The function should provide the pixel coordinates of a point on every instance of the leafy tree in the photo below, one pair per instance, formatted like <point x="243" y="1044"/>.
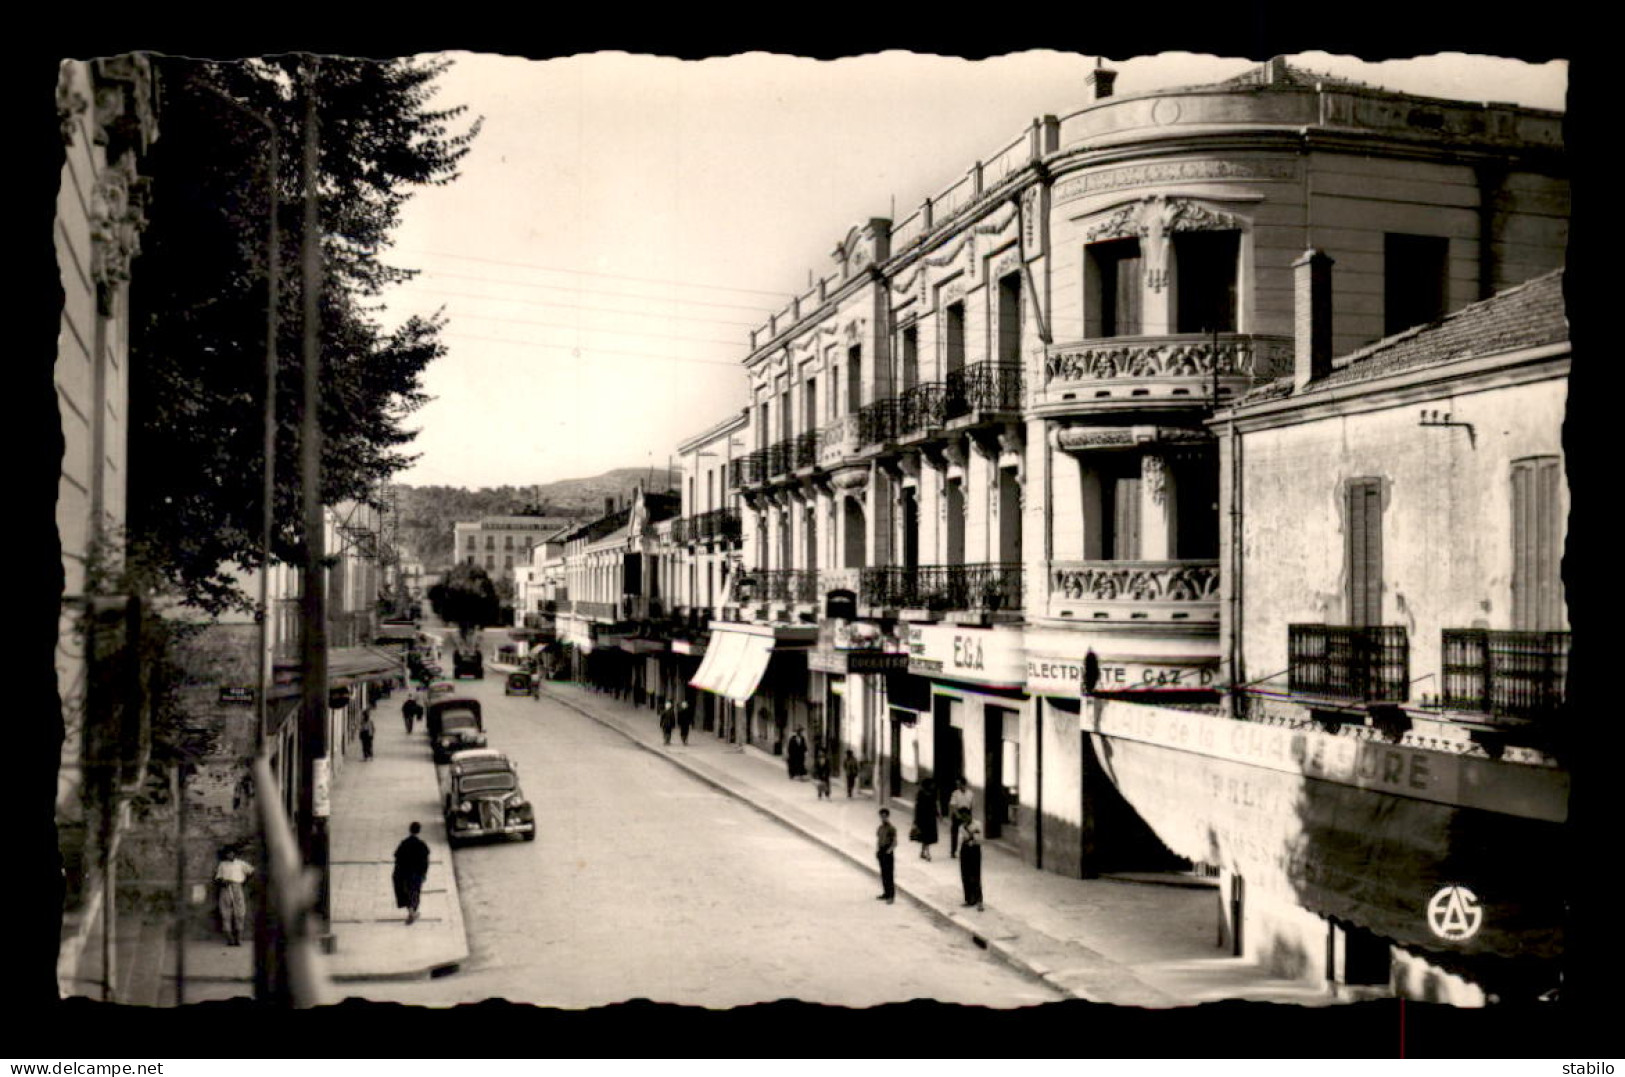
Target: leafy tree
<point x="199" y="302"/>
<point x="466" y="597"/>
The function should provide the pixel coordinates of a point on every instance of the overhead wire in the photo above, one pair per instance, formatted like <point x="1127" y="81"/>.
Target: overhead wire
<point x="595" y="273"/>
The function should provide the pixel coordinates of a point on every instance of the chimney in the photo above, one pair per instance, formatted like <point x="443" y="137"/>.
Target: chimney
<point x="1312" y="317"/>
<point x="1276" y="71"/>
<point x="1100" y="83"/>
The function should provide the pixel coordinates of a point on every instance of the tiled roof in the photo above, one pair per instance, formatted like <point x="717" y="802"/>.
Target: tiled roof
<point x="1528" y="315"/>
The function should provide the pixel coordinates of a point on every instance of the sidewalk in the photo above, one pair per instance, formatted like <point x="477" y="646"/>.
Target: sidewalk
<point x="373" y="802"/>
<point x="1117" y="941"/>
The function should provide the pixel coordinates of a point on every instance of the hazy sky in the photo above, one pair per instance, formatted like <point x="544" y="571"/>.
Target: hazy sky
<point x="624" y="221"/>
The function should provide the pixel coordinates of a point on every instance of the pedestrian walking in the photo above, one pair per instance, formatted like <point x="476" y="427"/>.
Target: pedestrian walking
<point x="795" y="756"/>
<point x="685" y="719"/>
<point x="411" y="868"/>
<point x="411" y="710"/>
<point x="821" y="773"/>
<point x="970" y="858"/>
<point x="851" y="767"/>
<point x="366" y="731"/>
<point x="230" y="875"/>
<point x="924" y="830"/>
<point x="668" y="722"/>
<point x="960" y="801"/>
<point x="885" y="852"/>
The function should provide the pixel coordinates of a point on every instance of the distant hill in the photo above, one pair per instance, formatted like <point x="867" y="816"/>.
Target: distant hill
<point x="427" y="513"/>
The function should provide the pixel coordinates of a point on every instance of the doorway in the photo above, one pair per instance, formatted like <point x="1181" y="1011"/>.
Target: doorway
<point x="947" y="748"/>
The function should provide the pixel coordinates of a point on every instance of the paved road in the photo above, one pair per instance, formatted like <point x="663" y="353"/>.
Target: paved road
<point x="646" y="883"/>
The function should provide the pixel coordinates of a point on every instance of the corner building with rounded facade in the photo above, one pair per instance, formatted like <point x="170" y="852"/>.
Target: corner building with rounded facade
<point x="981" y="495"/>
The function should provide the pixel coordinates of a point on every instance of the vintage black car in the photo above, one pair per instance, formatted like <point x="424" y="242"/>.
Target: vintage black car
<point x="519" y="684"/>
<point x="483" y="798"/>
<point x="455" y="723"/>
<point x="467" y="663"/>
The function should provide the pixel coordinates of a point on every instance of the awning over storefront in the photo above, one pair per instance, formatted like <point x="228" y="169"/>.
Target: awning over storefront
<point x="717" y="666"/>
<point x="1464" y="884"/>
<point x="361" y="664"/>
<point x="755" y="654"/>
<point x="734" y="664"/>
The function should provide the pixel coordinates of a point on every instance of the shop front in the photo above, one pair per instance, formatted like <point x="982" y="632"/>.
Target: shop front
<point x="972" y="723"/>
<point x="1354" y="850"/>
<point x="758" y="673"/>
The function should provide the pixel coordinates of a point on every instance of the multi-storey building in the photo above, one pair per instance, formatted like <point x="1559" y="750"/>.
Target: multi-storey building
<point x="109" y="118"/>
<point x="499" y="543"/>
<point x="982" y="499"/>
<point x="618" y="601"/>
<point x="1405" y="658"/>
<point x="539" y="585"/>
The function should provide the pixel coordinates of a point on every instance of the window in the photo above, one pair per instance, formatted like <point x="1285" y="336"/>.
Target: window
<point x="490" y="542"/>
<point x="1537" y="544"/>
<point x="507" y="542"/>
<point x="854" y="379"/>
<point x="1112" y="274"/>
<point x="809" y="404"/>
<point x="1010" y="318"/>
<point x="910" y="359"/>
<point x="1120" y="509"/>
<point x="1415" y="272"/>
<point x="953" y="355"/>
<point x="1205" y="281"/>
<point x="1364" y="551"/>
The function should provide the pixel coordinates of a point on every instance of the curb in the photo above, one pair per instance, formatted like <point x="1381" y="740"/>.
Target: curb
<point x="1004" y="953"/>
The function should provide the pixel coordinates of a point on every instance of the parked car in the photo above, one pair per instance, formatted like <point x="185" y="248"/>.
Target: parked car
<point x="454" y="723"/>
<point x="518" y="684"/>
<point x="468" y="662"/>
<point x="483" y="798"/>
<point x="441" y="688"/>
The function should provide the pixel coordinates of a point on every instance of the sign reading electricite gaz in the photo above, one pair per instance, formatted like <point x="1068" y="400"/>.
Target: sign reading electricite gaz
<point x="1157" y="676"/>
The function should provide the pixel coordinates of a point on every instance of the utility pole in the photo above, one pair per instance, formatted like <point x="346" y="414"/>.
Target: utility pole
<point x="314" y="790"/>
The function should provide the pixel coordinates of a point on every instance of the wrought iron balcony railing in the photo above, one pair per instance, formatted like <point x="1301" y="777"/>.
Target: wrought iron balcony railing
<point x="1505" y="674"/>
<point x="778" y="459"/>
<point x="984" y="386"/>
<point x="921" y="408"/>
<point x="1348" y="662"/>
<point x="878" y="422"/>
<point x="804" y="450"/>
<point x="797" y="585"/>
<point x="718" y="524"/>
<point x="987" y="587"/>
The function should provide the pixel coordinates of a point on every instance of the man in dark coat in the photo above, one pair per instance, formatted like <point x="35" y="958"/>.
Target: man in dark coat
<point x="796" y="755"/>
<point x="411" y="868"/>
<point x="685" y="719"/>
<point x="886" y="852"/>
<point x="411" y="710"/>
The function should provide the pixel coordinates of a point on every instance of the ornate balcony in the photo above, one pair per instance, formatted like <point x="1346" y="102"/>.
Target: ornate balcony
<point x="1505" y="674"/>
<point x="803" y="449"/>
<point x="985" y="389"/>
<point x="718" y="525"/>
<point x="787" y="585"/>
<point x="838" y="441"/>
<point x="922" y="408"/>
<point x="987" y="587"/>
<point x="878" y="422"/>
<point x="1158" y="591"/>
<point x="1181" y="366"/>
<point x="1350" y="663"/>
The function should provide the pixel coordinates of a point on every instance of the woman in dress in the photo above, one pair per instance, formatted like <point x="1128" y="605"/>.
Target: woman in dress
<point x="925" y="818"/>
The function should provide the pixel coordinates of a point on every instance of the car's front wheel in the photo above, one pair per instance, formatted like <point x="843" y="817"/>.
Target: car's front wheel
<point x="530" y="835"/>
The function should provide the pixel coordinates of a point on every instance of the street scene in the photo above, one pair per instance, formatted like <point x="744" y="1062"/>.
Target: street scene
<point x="1004" y="533"/>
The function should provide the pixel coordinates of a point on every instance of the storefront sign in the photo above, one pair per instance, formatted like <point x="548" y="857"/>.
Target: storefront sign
<point x="1054" y="676"/>
<point x="236" y="694"/>
<point x="1157" y="676"/>
<point x="978" y="655"/>
<point x="1455" y="914"/>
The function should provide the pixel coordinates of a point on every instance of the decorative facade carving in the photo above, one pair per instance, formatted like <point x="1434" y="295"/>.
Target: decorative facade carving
<point x="1170" y="357"/>
<point x="1030" y="210"/>
<point x="1155" y="218"/>
<point x="1083" y="438"/>
<point x="1112" y="179"/>
<point x="1154" y="474"/>
<point x="70" y="103"/>
<point x="1106" y="581"/>
<point x="117" y="217"/>
<point x="851" y="480"/>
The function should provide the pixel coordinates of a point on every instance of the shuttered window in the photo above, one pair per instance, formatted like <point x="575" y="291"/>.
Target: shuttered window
<point x="1537" y="545"/>
<point x="1122" y="515"/>
<point x="1364" y="516"/>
